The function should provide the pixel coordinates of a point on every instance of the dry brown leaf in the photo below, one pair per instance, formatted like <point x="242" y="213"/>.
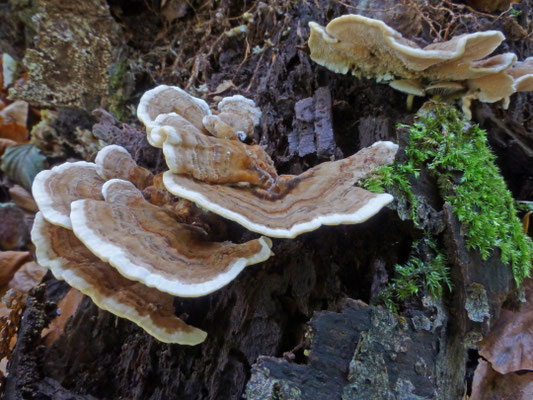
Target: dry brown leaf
<point x="509" y="346"/>
<point x="15" y="132"/>
<point x="66" y="308"/>
<point x="14" y="231"/>
<point x="490" y="385"/>
<point x="10" y="262"/>
<point x="28" y="276"/>
<point x="22" y="198"/>
<point x="223" y="87"/>
<point x="8" y="327"/>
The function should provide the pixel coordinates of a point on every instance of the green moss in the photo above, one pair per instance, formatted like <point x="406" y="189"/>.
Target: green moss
<point x="425" y="270"/>
<point x="456" y="153"/>
<point x="117" y="100"/>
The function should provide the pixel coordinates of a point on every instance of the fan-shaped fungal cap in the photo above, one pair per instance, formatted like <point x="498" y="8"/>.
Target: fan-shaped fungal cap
<point x="211" y="159"/>
<point x="220" y="129"/>
<point x="323" y="195"/>
<point x="236" y="119"/>
<point x="522" y="73"/>
<point x="409" y="86"/>
<point x="55" y="189"/>
<point x="240" y="113"/>
<point x="370" y="48"/>
<point x="115" y="162"/>
<point x="492" y="88"/>
<point x="144" y="243"/>
<point x="59" y="250"/>
<point x="167" y="99"/>
<point x="463" y="69"/>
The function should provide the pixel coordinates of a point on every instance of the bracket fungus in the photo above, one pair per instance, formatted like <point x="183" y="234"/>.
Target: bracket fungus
<point x="237" y="118"/>
<point x="145" y="243"/>
<point x="99" y="234"/>
<point x="323" y="195"/>
<point x="216" y="160"/>
<point x="115" y="162"/>
<point x="58" y="249"/>
<point x="202" y="145"/>
<point x="369" y="48"/>
<point x="239" y="182"/>
<point x="169" y="99"/>
<point x="55" y="189"/>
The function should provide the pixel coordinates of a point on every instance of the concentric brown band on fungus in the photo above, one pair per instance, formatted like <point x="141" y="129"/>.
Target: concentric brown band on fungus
<point x="145" y="243"/>
<point x="59" y="250"/>
<point x="210" y="159"/>
<point x="113" y="215"/>
<point x="323" y="195"/>
<point x="54" y="190"/>
<point x="114" y="162"/>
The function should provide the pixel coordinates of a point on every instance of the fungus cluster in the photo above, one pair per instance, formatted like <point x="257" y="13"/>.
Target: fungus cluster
<point x="238" y="181"/>
<point x="96" y="230"/>
<point x="117" y="233"/>
<point x="461" y="66"/>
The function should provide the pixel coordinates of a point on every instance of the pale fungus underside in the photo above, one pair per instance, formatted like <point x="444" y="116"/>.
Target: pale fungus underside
<point x="369" y="48"/>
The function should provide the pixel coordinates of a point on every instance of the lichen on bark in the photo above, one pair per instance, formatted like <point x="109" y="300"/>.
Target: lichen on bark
<point x="74" y="46"/>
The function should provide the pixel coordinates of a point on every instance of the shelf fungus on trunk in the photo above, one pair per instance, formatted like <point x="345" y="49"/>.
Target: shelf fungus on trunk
<point x="128" y="255"/>
<point x="369" y="48"/>
<point x="145" y="243"/>
<point x="236" y="119"/>
<point x="211" y="159"/>
<point x="202" y="145"/>
<point x="55" y="189"/>
<point x="323" y="195"/>
<point x="59" y="249"/>
<point x="115" y="162"/>
<point x="169" y="99"/>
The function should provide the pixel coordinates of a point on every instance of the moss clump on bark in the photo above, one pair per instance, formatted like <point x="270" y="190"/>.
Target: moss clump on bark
<point x="457" y="155"/>
<point x="426" y="269"/>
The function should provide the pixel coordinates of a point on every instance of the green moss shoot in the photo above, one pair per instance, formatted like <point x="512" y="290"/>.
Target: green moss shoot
<point x="428" y="271"/>
<point x="117" y="105"/>
<point x="457" y="154"/>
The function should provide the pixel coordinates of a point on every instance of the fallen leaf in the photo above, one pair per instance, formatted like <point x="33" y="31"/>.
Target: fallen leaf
<point x="223" y="87"/>
<point x="22" y="162"/>
<point x="22" y="198"/>
<point x="14" y="231"/>
<point x="27" y="277"/>
<point x="13" y="119"/>
<point x="66" y="308"/>
<point x="14" y="132"/>
<point x="509" y="345"/>
<point x="10" y="262"/>
<point x="490" y="385"/>
<point x="8" y="326"/>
